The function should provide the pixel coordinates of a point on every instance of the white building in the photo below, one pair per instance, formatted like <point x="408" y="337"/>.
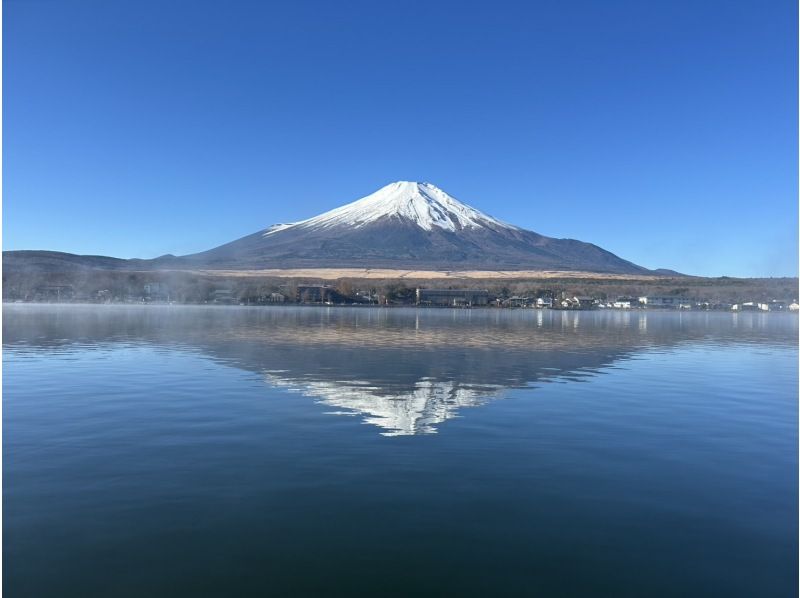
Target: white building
<point x="750" y="306"/>
<point x="669" y="301"/>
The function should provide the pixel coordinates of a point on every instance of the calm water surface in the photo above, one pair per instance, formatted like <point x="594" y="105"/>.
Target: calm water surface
<point x="181" y="451"/>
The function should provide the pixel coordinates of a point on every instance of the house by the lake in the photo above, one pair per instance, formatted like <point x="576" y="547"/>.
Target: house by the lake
<point x="665" y="302"/>
<point x="453" y="297"/>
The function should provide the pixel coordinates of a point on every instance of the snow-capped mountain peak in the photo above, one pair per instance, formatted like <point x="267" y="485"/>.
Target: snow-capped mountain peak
<point x="409" y="225"/>
<point x="422" y="204"/>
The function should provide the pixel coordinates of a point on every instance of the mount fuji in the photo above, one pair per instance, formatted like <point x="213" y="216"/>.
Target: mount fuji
<point x="404" y="225"/>
<point x="409" y="225"/>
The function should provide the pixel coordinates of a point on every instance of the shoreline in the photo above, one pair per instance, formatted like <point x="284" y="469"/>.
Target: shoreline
<point x="399" y="306"/>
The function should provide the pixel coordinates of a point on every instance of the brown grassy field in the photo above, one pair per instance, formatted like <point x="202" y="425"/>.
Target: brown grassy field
<point x="387" y="274"/>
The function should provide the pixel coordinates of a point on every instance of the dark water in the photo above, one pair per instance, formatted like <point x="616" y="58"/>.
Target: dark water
<point x="177" y="451"/>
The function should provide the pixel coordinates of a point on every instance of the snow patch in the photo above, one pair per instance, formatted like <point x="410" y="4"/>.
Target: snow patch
<point x="279" y="227"/>
<point x="422" y="204"/>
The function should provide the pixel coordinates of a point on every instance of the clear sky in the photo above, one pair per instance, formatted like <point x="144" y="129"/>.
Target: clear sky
<point x="664" y="131"/>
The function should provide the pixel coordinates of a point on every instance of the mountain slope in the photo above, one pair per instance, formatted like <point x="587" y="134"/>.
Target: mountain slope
<point x="409" y="225"/>
<point x="404" y="225"/>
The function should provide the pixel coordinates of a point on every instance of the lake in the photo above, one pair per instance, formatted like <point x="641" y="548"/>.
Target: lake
<point x="234" y="451"/>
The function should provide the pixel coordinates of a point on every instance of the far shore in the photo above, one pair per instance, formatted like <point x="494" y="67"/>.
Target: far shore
<point x="378" y="285"/>
<point x="594" y="308"/>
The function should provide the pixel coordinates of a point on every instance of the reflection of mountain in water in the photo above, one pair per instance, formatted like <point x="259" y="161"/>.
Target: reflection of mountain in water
<point x="403" y="370"/>
<point x="400" y="412"/>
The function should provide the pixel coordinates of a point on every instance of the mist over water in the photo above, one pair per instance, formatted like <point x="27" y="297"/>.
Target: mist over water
<point x="335" y="451"/>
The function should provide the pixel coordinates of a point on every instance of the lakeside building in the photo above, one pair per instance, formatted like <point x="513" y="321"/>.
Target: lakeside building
<point x="776" y="305"/>
<point x="516" y="301"/>
<point x="715" y="306"/>
<point x="578" y="302"/>
<point x="453" y="297"/>
<point x="668" y="302"/>
<point x="750" y="306"/>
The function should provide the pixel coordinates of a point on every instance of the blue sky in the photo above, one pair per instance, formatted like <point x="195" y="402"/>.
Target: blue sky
<point x="664" y="131"/>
